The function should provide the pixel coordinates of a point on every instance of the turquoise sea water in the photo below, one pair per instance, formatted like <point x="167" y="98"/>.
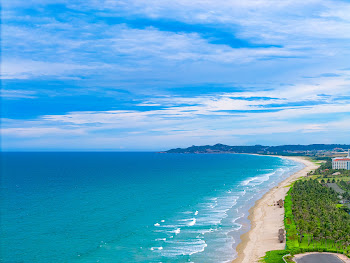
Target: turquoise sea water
<point x="130" y="207"/>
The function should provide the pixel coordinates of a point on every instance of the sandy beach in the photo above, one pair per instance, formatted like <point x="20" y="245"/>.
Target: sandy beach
<point x="266" y="219"/>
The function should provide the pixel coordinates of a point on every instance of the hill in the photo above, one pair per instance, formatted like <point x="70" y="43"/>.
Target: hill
<point x="312" y="149"/>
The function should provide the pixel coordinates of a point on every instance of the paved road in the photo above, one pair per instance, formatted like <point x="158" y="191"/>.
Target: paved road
<point x="319" y="258"/>
<point x="336" y="188"/>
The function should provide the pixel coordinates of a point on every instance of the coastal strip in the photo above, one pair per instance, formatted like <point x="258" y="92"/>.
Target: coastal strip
<point x="266" y="219"/>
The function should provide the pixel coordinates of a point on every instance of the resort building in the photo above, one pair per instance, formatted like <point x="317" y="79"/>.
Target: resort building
<point x="341" y="162"/>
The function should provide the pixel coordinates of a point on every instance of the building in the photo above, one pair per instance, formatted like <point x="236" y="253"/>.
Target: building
<point x="341" y="162"/>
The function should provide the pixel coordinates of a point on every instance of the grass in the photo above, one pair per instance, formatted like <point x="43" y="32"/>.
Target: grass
<point x="319" y="177"/>
<point x="290" y="226"/>
<point x="274" y="256"/>
<point x="315" y="161"/>
<point x="344" y="178"/>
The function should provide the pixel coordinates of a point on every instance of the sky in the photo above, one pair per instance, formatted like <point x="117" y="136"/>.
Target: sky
<point x="136" y="75"/>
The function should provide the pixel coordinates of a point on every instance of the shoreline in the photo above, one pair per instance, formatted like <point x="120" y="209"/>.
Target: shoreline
<point x="265" y="219"/>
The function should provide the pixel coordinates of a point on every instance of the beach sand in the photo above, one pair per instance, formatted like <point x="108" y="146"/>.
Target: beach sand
<point x="266" y="219"/>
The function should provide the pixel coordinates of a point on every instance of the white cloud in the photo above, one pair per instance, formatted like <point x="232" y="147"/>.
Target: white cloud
<point x="310" y="38"/>
<point x="226" y="113"/>
<point x="24" y="69"/>
<point x="18" y="94"/>
<point x="293" y="18"/>
<point x="305" y="30"/>
<point x="37" y="132"/>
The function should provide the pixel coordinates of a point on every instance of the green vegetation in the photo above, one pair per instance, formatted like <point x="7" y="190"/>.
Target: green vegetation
<point x="325" y="171"/>
<point x="346" y="187"/>
<point x="312" y="220"/>
<point x="343" y="185"/>
<point x="315" y="161"/>
<point x="275" y="256"/>
<point x="319" y="150"/>
<point x="325" y="174"/>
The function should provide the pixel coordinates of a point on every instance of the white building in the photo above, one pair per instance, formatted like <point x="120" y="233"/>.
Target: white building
<point x="341" y="162"/>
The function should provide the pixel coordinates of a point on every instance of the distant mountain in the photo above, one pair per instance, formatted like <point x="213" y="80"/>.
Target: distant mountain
<point x="312" y="149"/>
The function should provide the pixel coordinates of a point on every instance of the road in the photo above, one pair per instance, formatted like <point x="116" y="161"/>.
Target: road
<point x="319" y="258"/>
<point x="336" y="188"/>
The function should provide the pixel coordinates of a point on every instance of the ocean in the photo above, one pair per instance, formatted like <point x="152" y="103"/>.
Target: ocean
<point x="130" y="207"/>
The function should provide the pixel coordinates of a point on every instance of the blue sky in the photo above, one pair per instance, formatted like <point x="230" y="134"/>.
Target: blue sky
<point x="157" y="74"/>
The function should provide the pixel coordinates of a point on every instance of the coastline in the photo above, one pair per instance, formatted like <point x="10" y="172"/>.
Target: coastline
<point x="266" y="219"/>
